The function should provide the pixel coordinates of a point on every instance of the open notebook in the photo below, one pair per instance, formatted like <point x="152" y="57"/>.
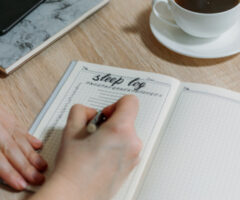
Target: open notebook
<point x="190" y="132"/>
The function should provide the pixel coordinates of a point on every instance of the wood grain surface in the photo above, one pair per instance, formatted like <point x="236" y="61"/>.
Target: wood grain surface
<point x="118" y="35"/>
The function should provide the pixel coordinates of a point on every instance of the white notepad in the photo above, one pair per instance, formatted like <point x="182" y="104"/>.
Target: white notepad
<point x="190" y="132"/>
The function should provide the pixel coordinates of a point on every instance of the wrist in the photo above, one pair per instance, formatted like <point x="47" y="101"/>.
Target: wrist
<point x="58" y="188"/>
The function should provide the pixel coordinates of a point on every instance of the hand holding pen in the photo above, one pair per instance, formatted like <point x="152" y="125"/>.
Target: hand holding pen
<point x="95" y="165"/>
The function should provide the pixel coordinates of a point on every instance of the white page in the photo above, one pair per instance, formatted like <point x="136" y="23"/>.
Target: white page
<point x="155" y="100"/>
<point x="198" y="157"/>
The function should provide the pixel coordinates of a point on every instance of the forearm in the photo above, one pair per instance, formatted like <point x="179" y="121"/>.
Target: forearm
<point x="60" y="188"/>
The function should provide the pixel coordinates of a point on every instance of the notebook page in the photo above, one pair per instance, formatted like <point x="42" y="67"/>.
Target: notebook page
<point x="198" y="157"/>
<point x="87" y="85"/>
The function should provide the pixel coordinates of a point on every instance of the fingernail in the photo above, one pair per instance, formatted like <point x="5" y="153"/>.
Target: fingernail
<point x="37" y="140"/>
<point x="41" y="164"/>
<point x="22" y="183"/>
<point x="38" y="178"/>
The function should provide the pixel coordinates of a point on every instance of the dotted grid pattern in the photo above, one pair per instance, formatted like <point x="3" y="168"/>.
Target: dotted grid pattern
<point x="79" y="92"/>
<point x="199" y="155"/>
<point x="148" y="114"/>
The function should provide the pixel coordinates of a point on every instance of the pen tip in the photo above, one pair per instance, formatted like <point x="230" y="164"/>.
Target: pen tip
<point x="91" y="128"/>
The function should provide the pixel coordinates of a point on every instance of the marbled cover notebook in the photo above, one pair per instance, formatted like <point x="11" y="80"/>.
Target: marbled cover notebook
<point x="43" y="26"/>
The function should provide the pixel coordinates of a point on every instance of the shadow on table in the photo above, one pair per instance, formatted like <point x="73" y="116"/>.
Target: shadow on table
<point x="7" y="188"/>
<point x="24" y="195"/>
<point x="142" y="28"/>
<point x="3" y="76"/>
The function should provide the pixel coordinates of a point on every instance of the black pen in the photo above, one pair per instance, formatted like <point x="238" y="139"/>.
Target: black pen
<point x="96" y="122"/>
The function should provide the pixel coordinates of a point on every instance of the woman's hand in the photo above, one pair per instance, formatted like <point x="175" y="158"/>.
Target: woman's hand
<point x="95" y="166"/>
<point x="20" y="164"/>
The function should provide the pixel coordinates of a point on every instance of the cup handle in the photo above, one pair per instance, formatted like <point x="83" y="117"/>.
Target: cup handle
<point x="160" y="16"/>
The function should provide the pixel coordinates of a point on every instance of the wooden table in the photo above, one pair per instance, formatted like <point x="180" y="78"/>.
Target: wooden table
<point x="118" y="35"/>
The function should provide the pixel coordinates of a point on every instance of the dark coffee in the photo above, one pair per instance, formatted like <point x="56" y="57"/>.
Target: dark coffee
<point x="207" y="6"/>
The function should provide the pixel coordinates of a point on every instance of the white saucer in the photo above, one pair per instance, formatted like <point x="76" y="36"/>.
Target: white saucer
<point x="175" y="39"/>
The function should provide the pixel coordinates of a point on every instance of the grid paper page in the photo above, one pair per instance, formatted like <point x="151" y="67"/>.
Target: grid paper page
<point x="199" y="155"/>
<point x="85" y="87"/>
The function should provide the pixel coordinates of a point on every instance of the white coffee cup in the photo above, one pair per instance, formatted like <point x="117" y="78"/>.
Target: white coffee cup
<point x="202" y="25"/>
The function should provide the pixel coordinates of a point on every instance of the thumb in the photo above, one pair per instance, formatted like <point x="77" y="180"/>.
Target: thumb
<point x="125" y="110"/>
<point x="77" y="119"/>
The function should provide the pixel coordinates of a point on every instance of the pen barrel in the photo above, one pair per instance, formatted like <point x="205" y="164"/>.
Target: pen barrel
<point x="96" y="122"/>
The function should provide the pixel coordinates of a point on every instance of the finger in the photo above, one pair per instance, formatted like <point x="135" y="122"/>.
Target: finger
<point x="36" y="143"/>
<point x="10" y="176"/>
<point x="33" y="157"/>
<point x="78" y="117"/>
<point x="124" y="111"/>
<point x="18" y="160"/>
<point x="8" y="121"/>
